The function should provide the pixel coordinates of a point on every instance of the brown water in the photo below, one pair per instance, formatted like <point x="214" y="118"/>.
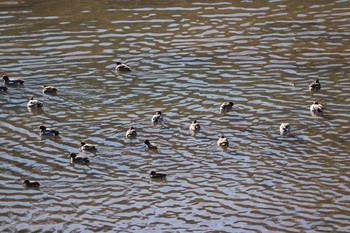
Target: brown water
<point x="187" y="58"/>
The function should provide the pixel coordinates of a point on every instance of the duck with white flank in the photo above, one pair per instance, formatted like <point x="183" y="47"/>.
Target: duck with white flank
<point x="32" y="103"/>
<point x="315" y="86"/>
<point x="122" y="67"/>
<point x="131" y="133"/>
<point x="150" y="145"/>
<point x="74" y="158"/>
<point x="316" y="108"/>
<point x="87" y="147"/>
<point x="49" y="89"/>
<point x="157" y="175"/>
<point x="284" y="128"/>
<point x="11" y="82"/>
<point x="48" y="132"/>
<point x="195" y="127"/>
<point x="157" y="118"/>
<point x="222" y="142"/>
<point x="226" y="107"/>
<point x="31" y="184"/>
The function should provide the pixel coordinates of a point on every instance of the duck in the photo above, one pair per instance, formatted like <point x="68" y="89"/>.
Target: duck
<point x="122" y="67"/>
<point x="31" y="184"/>
<point x="11" y="82"/>
<point x="222" y="141"/>
<point x="49" y="89"/>
<point x="284" y="128"/>
<point x="87" y="147"/>
<point x="157" y="175"/>
<point x="315" y="86"/>
<point x="150" y="145"/>
<point x="157" y="117"/>
<point x="48" y="132"/>
<point x="3" y="88"/>
<point x="226" y="107"/>
<point x="316" y="108"/>
<point x="74" y="158"/>
<point x="195" y="127"/>
<point x="32" y="103"/>
<point x="131" y="133"/>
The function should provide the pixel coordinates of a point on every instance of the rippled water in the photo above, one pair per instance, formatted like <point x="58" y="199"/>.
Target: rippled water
<point x="187" y="57"/>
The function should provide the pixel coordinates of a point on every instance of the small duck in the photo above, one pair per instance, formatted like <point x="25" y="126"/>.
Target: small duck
<point x="74" y="158"/>
<point x="131" y="133"/>
<point x="150" y="145"/>
<point x="87" y="147"/>
<point x="315" y="86"/>
<point x="11" y="82"/>
<point x="3" y="88"/>
<point x="156" y="175"/>
<point x="222" y="141"/>
<point x="32" y="103"/>
<point x="284" y="128"/>
<point x="122" y="67"/>
<point x="157" y="118"/>
<point x="195" y="127"/>
<point x="31" y="184"/>
<point x="226" y="107"/>
<point x="316" y="108"/>
<point x="48" y="132"/>
<point x="49" y="89"/>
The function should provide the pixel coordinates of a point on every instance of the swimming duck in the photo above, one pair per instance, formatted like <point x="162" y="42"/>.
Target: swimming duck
<point x="48" y="132"/>
<point x="195" y="127"/>
<point x="122" y="67"/>
<point x="49" y="89"/>
<point x="11" y="82"/>
<point x="31" y="184"/>
<point x="226" y="107"/>
<point x="316" y="108"/>
<point x="87" y="147"/>
<point x="150" y="145"/>
<point x="284" y="128"/>
<point x="222" y="141"/>
<point x="3" y="88"/>
<point x="74" y="158"/>
<point x="314" y="86"/>
<point x="131" y="133"/>
<point x="157" y="118"/>
<point x="156" y="175"/>
<point x="32" y="103"/>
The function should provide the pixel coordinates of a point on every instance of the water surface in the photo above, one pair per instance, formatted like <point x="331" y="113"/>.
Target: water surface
<point x="187" y="57"/>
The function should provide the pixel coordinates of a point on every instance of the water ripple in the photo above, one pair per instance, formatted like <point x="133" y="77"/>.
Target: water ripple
<point x="187" y="60"/>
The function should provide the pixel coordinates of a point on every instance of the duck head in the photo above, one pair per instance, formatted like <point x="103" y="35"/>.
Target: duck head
<point x="5" y="78"/>
<point x="26" y="182"/>
<point x="72" y="155"/>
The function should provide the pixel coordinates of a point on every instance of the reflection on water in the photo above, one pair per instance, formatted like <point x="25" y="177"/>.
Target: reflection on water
<point x="187" y="59"/>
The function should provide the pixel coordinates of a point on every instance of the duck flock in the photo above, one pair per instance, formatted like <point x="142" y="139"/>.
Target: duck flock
<point x="131" y="133"/>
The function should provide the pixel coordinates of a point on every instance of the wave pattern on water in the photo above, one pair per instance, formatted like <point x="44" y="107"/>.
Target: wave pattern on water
<point x="187" y="59"/>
